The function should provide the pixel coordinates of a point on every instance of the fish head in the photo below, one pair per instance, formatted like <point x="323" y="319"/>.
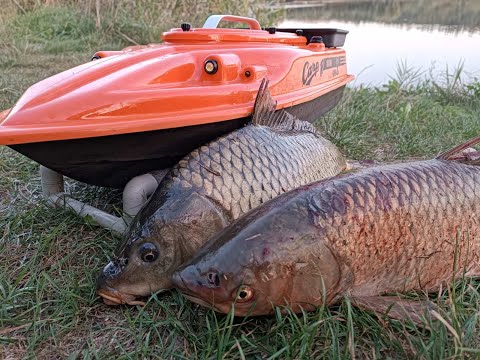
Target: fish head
<point x="159" y="240"/>
<point x="139" y="266"/>
<point x="274" y="256"/>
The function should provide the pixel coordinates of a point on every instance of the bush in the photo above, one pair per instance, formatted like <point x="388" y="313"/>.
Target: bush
<point x="53" y="24"/>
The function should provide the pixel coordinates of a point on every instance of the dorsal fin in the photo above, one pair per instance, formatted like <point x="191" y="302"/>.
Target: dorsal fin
<point x="462" y="154"/>
<point x="264" y="114"/>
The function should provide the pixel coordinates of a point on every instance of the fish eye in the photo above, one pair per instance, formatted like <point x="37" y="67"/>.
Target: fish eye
<point x="148" y="252"/>
<point x="244" y="293"/>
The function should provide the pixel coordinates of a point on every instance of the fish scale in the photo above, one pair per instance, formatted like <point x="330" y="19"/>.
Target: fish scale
<point x="386" y="229"/>
<point x="431" y="244"/>
<point x="306" y="165"/>
<point x="214" y="185"/>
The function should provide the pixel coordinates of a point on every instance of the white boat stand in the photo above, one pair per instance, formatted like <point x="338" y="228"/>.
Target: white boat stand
<point x="135" y="194"/>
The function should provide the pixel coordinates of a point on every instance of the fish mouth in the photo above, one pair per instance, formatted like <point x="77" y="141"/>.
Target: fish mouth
<point x="198" y="301"/>
<point x="114" y="297"/>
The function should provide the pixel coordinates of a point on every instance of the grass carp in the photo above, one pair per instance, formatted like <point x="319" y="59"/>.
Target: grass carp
<point x="210" y="188"/>
<point x="386" y="229"/>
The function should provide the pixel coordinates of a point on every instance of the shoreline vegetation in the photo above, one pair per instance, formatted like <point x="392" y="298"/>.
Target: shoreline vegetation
<point x="49" y="258"/>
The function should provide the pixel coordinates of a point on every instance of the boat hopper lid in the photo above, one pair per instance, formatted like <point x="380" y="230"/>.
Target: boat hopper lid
<point x="211" y="33"/>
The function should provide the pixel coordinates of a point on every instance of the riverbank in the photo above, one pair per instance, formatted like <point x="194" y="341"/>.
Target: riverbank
<point x="49" y="258"/>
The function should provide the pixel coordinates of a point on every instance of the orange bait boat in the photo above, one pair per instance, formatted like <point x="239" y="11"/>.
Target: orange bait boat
<point x="145" y="107"/>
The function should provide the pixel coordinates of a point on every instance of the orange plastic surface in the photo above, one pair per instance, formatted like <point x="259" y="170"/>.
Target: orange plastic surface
<point x="162" y="86"/>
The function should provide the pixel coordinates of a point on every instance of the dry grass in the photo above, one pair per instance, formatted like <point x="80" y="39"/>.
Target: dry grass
<point x="49" y="258"/>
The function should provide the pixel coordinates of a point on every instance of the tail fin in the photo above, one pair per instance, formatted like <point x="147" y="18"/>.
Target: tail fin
<point x="264" y="114"/>
<point x="462" y="153"/>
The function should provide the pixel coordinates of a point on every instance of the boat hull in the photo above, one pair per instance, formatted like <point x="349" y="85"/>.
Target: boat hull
<point x="111" y="161"/>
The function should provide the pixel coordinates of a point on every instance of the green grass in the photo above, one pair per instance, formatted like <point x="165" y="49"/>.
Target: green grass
<point x="407" y="117"/>
<point x="49" y="258"/>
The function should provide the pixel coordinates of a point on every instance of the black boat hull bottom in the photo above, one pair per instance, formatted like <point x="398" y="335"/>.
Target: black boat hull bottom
<point x="112" y="161"/>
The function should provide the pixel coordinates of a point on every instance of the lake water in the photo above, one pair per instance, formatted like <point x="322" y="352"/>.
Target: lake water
<point x="427" y="35"/>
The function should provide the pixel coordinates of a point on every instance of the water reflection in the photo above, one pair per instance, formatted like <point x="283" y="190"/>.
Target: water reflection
<point x="451" y="15"/>
<point x="431" y="35"/>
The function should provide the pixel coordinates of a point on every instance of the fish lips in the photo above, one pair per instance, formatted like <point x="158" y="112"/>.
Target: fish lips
<point x="110" y="295"/>
<point x="180" y="284"/>
<point x="114" y="297"/>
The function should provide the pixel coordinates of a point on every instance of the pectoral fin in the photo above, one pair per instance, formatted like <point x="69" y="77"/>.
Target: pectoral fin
<point x="396" y="307"/>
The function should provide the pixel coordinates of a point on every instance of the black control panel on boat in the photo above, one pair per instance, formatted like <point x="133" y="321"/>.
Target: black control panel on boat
<point x="331" y="37"/>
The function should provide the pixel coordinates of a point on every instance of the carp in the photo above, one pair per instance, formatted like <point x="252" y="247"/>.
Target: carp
<point x="210" y="188"/>
<point x="383" y="230"/>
